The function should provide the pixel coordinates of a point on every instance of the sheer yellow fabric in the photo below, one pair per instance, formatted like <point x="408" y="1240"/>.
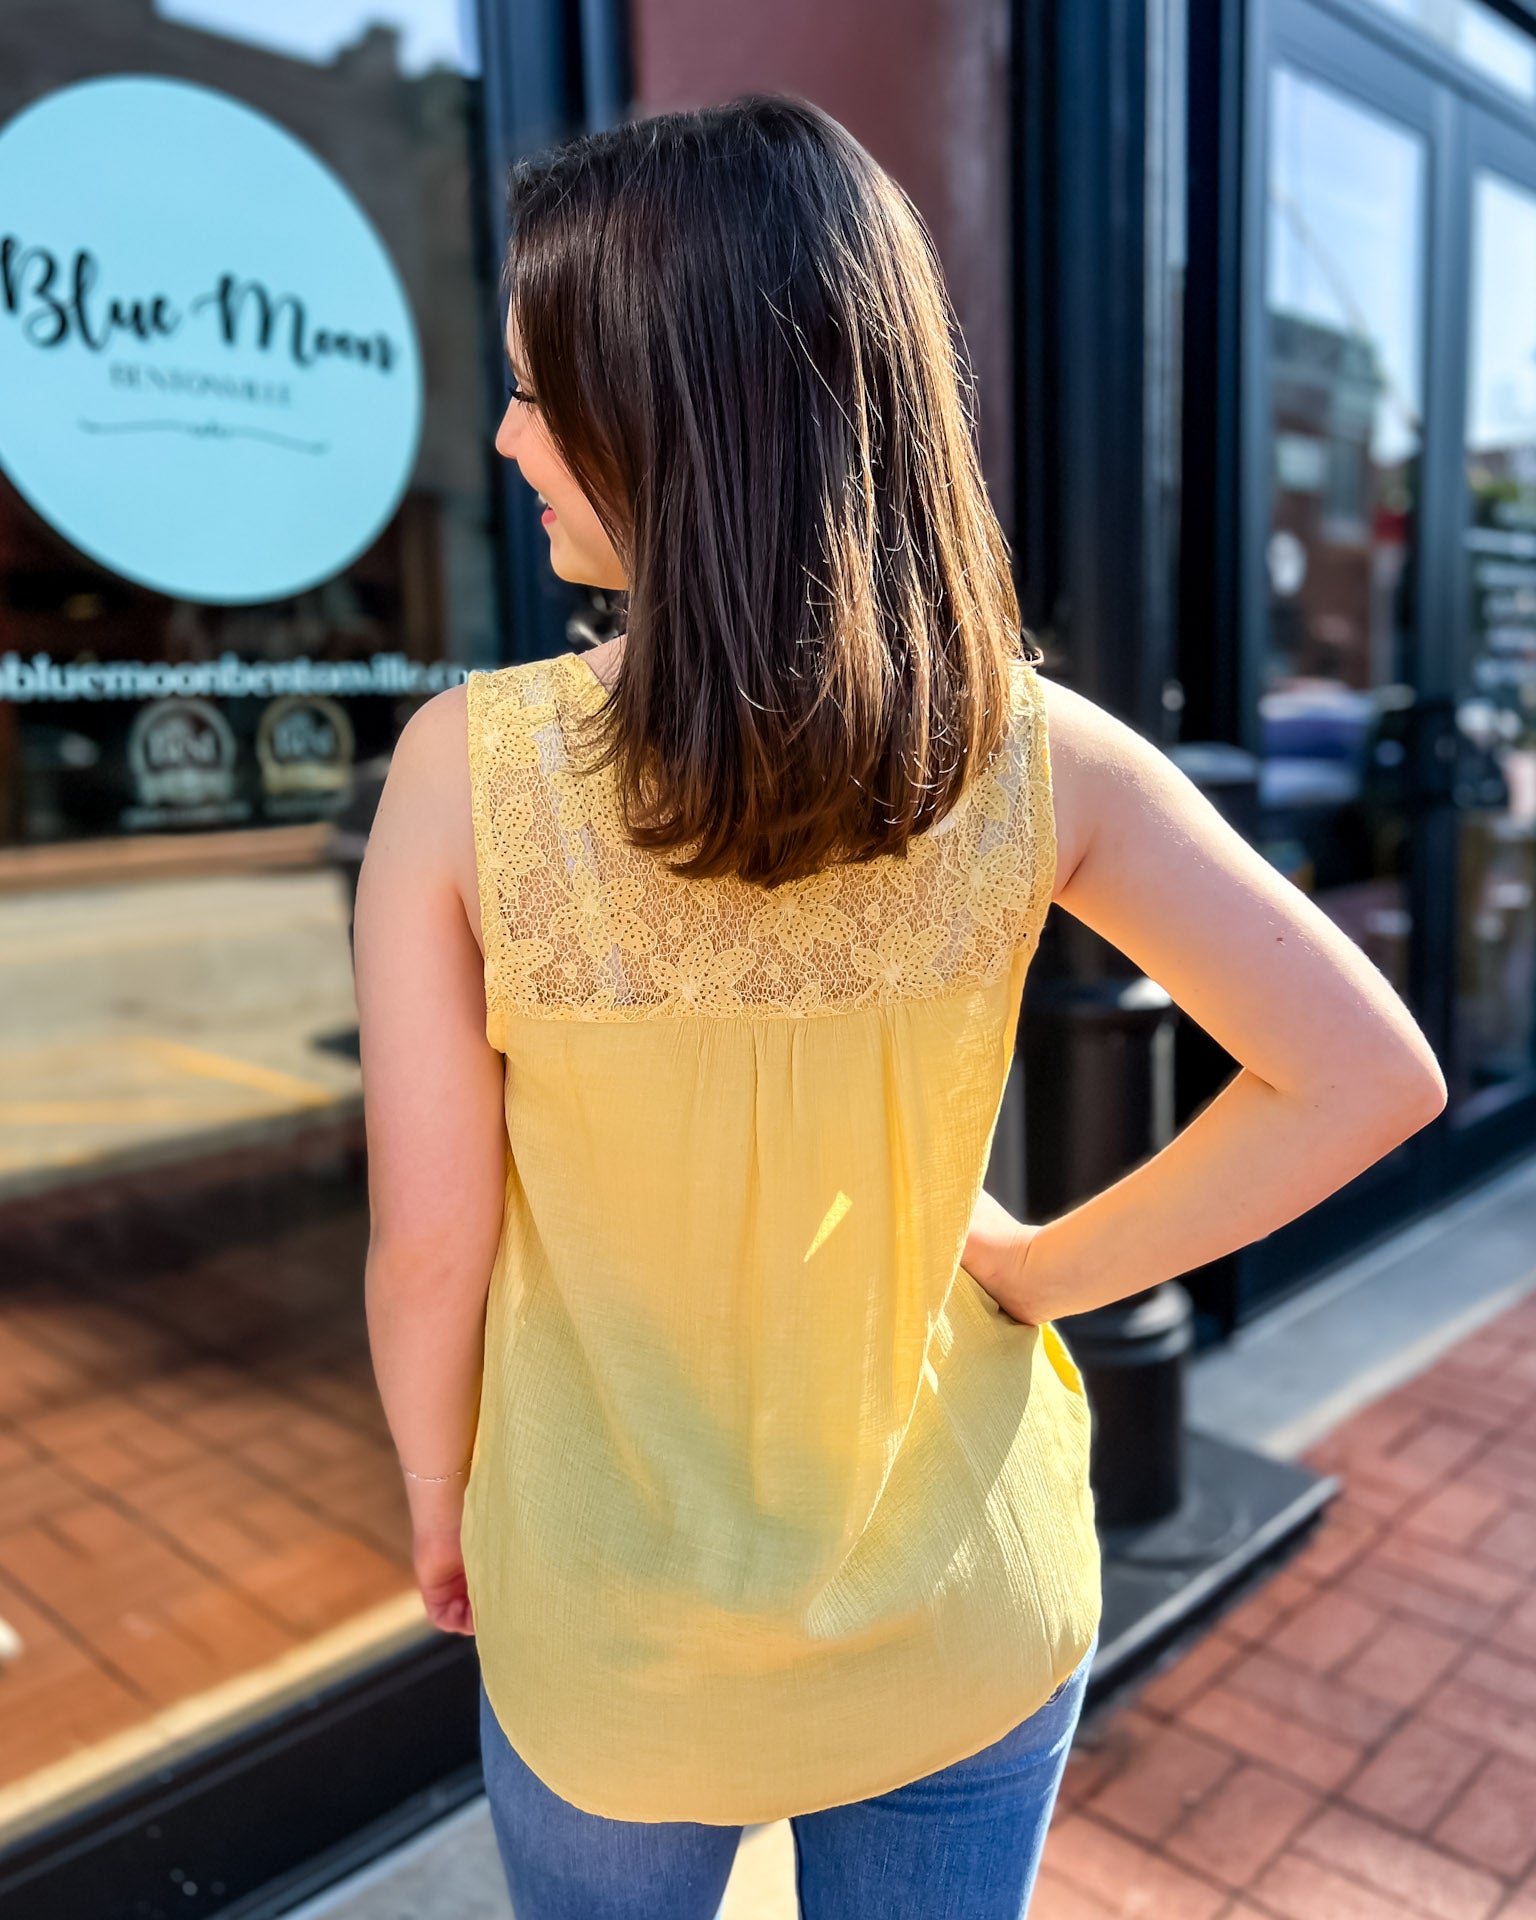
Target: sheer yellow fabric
<point x="771" y="1507"/>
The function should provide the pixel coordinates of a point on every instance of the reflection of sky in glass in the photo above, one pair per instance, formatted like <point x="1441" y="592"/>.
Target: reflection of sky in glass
<point x="432" y="32"/>
<point x="1345" y="226"/>
<point x="1483" y="38"/>
<point x="1501" y="406"/>
<point x="1499" y="49"/>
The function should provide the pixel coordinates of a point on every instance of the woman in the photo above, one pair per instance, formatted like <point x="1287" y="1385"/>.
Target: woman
<point x="734" y="1418"/>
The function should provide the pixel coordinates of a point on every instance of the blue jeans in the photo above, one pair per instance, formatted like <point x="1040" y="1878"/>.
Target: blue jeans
<point x="960" y="1844"/>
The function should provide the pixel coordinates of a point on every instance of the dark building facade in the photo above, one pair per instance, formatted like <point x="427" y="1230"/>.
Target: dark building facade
<point x="1249" y="291"/>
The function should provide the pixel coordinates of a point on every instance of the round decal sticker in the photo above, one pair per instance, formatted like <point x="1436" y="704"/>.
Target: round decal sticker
<point x="182" y="756"/>
<point x="210" y="380"/>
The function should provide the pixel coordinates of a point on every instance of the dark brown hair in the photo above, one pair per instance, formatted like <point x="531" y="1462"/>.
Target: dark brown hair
<point x="737" y="333"/>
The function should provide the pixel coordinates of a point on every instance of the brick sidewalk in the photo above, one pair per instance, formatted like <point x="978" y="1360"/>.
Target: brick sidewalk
<point x="1357" y="1740"/>
<point x="195" y="1473"/>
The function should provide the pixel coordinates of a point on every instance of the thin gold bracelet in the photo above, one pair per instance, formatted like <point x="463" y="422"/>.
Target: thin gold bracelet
<point x="435" y="1479"/>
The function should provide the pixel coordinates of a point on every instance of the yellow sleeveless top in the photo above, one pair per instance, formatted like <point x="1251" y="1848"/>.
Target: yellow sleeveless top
<point x="771" y="1507"/>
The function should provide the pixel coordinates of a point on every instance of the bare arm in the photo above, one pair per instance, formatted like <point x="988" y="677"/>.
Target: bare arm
<point x="432" y="1090"/>
<point x="1334" y="1071"/>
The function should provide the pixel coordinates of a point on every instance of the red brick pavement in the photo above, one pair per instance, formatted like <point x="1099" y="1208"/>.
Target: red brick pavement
<point x="195" y="1473"/>
<point x="1357" y="1739"/>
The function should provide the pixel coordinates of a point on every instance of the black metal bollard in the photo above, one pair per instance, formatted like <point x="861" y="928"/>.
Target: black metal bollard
<point x="1099" y="1060"/>
<point x="1131" y="1355"/>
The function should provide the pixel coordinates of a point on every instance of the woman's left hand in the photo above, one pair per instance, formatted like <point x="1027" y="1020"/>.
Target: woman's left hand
<point x="995" y="1255"/>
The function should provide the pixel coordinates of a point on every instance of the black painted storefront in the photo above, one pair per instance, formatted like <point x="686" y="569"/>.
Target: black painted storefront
<point x="1257" y="503"/>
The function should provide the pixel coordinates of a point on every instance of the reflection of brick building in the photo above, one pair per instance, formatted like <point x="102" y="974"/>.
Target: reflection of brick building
<point x="904" y="90"/>
<point x="1351" y="515"/>
<point x="402" y="145"/>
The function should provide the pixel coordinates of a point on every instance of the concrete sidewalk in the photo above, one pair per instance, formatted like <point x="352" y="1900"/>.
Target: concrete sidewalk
<point x="1357" y="1740"/>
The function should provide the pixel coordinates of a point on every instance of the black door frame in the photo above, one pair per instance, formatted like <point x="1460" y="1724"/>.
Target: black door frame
<point x="1365" y="54"/>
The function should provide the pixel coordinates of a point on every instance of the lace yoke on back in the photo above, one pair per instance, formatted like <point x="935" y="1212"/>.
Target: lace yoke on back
<point x="578" y="922"/>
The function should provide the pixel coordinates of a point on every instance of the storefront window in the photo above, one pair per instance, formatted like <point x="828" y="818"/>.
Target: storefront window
<point x="1495" y="794"/>
<point x="247" y="394"/>
<point x="1345" y="250"/>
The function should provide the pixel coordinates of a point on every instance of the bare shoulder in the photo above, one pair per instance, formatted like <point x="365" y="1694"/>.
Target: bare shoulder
<point x="1101" y="768"/>
<point x="424" y="816"/>
<point x="1131" y="825"/>
<point x="1149" y="862"/>
<point x="437" y="728"/>
<point x="429" y="770"/>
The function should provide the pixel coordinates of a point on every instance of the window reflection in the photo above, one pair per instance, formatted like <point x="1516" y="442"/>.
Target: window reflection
<point x="1485" y="40"/>
<point x="1495" y="780"/>
<point x="1344" y="293"/>
<point x="200" y="1492"/>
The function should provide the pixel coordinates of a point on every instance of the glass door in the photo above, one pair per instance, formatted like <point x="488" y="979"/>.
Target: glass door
<point x="1346" y="257"/>
<point x="1389" y="651"/>
<point x="1492" y="1055"/>
<point x="1345" y="159"/>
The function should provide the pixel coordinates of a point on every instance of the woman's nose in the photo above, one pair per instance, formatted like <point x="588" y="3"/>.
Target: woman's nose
<point x="506" y="433"/>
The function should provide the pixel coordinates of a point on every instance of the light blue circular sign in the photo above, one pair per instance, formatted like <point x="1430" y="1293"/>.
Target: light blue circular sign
<point x="210" y="380"/>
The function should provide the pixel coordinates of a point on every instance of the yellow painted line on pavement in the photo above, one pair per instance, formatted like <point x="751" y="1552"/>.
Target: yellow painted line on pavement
<point x="148" y="1109"/>
<point x="239" y="1073"/>
<point x="68" y="1113"/>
